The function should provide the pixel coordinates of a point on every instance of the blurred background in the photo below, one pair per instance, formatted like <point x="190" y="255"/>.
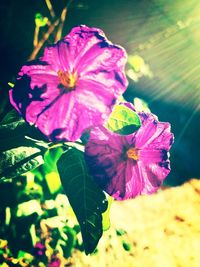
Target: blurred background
<point x="162" y="39"/>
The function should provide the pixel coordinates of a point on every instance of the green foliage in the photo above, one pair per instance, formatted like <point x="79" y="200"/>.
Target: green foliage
<point x="35" y="219"/>
<point x="40" y="21"/>
<point x="126" y="246"/>
<point x="25" y="257"/>
<point x="69" y="237"/>
<point x="106" y="217"/>
<point x="17" y="161"/>
<point x="48" y="170"/>
<point x="120" y="232"/>
<point x="24" y="151"/>
<point x="12" y="131"/>
<point x="19" y="153"/>
<point x="123" y="120"/>
<point x="85" y="197"/>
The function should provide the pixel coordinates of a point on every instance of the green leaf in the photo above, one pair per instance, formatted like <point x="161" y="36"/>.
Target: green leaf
<point x="27" y="257"/>
<point x="49" y="169"/>
<point x="12" y="131"/>
<point x="70" y="241"/>
<point x="126" y="245"/>
<point x="19" y="152"/>
<point x="123" y="120"/>
<point x="120" y="232"/>
<point x="53" y="182"/>
<point x="106" y="217"/>
<point x="51" y="157"/>
<point x="10" y="117"/>
<point x="40" y="21"/>
<point x="86" y="198"/>
<point x="15" y="132"/>
<point x="17" y="161"/>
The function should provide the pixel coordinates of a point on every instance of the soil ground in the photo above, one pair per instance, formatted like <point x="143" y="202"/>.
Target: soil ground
<point x="151" y="231"/>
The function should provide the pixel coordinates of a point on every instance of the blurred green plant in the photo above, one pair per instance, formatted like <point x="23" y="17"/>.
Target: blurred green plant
<point x="138" y="68"/>
<point x="52" y="183"/>
<point x="36" y="210"/>
<point x="37" y="213"/>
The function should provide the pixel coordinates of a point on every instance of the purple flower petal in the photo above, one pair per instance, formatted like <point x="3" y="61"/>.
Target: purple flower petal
<point x="73" y="86"/>
<point x="127" y="166"/>
<point x="153" y="133"/>
<point x="58" y="56"/>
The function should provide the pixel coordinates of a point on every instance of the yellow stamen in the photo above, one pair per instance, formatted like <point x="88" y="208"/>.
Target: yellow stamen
<point x="132" y="153"/>
<point x="67" y="79"/>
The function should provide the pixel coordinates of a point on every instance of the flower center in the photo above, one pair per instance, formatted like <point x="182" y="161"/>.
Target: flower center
<point x="67" y="79"/>
<point x="132" y="153"/>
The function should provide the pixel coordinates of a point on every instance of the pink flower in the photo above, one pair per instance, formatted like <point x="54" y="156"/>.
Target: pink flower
<point x="55" y="263"/>
<point x="39" y="249"/>
<point x="73" y="86"/>
<point x="127" y="166"/>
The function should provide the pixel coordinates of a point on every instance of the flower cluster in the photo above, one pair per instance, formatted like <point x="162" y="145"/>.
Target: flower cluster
<point x="72" y="89"/>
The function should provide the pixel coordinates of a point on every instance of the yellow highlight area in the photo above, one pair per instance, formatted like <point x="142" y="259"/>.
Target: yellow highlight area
<point x="136" y="62"/>
<point x="11" y="84"/>
<point x="67" y="79"/>
<point x="53" y="181"/>
<point x="132" y="153"/>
